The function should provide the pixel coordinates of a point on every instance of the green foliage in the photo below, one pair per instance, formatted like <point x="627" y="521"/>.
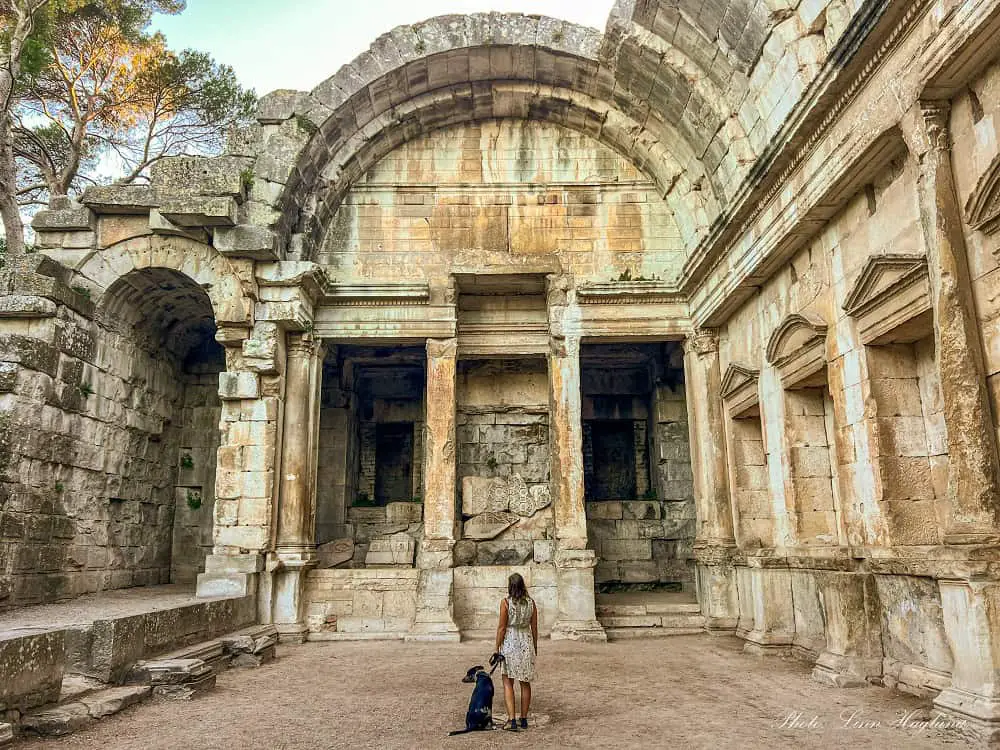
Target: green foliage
<point x="60" y="487"/>
<point x="650" y="494"/>
<point x="306" y="125"/>
<point x="491" y="462"/>
<point x="82" y="291"/>
<point x="187" y="461"/>
<point x="98" y="87"/>
<point x="246" y="180"/>
<point x="85" y="389"/>
<point x="193" y="498"/>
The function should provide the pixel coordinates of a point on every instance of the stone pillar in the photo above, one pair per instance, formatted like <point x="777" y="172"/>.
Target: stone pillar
<point x="972" y="511"/>
<point x="852" y="627"/>
<point x="295" y="542"/>
<point x="771" y="602"/>
<point x="972" y="624"/>
<point x="714" y="540"/>
<point x="566" y="441"/>
<point x="435" y="618"/>
<point x="577" y="616"/>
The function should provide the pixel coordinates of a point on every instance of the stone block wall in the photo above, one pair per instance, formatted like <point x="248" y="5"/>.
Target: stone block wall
<point x="352" y="603"/>
<point x="541" y="188"/>
<point x="479" y="590"/>
<point x="641" y="541"/>
<point x="194" y="496"/>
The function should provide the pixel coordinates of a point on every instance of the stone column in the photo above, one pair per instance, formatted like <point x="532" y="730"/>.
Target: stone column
<point x="972" y="511"/>
<point x="295" y="542"/>
<point x="435" y="618"/>
<point x="714" y="541"/>
<point x="972" y="624"/>
<point x="577" y="613"/>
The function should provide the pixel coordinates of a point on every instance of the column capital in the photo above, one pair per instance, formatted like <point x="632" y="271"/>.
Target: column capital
<point x="442" y="348"/>
<point x="926" y="127"/>
<point x="557" y="287"/>
<point x="303" y="345"/>
<point x="702" y="341"/>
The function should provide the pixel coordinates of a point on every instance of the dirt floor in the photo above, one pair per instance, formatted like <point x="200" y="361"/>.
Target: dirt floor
<point x="684" y="692"/>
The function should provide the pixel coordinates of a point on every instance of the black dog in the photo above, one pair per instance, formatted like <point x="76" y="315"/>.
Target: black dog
<point x="479" y="717"/>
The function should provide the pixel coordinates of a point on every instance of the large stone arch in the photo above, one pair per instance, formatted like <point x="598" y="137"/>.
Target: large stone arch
<point x="201" y="263"/>
<point x="461" y="68"/>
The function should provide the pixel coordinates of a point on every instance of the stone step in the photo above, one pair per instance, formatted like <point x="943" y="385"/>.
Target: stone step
<point x="627" y="610"/>
<point x="76" y="714"/>
<point x="653" y="621"/>
<point x="623" y="634"/>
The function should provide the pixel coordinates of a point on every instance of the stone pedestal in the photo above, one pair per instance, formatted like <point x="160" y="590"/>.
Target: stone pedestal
<point x="972" y="623"/>
<point x="973" y="507"/>
<point x="230" y="575"/>
<point x="295" y="549"/>
<point x="773" y="618"/>
<point x="577" y="616"/>
<point x="717" y="590"/>
<point x="435" y="618"/>
<point x="853" y="652"/>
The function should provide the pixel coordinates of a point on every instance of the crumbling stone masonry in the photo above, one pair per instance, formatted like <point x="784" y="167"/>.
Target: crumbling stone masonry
<point x="709" y="300"/>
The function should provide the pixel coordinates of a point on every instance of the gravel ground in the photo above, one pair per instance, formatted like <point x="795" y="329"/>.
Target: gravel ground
<point x="685" y="692"/>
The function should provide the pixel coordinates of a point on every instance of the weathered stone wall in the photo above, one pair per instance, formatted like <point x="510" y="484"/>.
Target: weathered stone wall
<point x="100" y="418"/>
<point x="503" y="188"/>
<point x="479" y="590"/>
<point x="975" y="122"/>
<point x="351" y="603"/>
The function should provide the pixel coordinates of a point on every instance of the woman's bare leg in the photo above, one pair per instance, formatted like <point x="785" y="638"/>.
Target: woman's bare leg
<point x="508" y="697"/>
<point x="525" y="698"/>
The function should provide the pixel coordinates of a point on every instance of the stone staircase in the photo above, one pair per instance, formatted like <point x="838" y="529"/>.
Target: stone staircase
<point x="179" y="675"/>
<point x="649" y="619"/>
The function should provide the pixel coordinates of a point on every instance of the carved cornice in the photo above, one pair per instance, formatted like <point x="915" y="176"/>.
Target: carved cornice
<point x="797" y="348"/>
<point x="442" y="348"/>
<point x="714" y="249"/>
<point x="890" y="294"/>
<point x="982" y="211"/>
<point x="375" y="295"/>
<point x="739" y="388"/>
<point x="629" y="293"/>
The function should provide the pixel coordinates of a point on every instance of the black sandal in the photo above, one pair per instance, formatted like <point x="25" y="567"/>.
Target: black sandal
<point x="524" y="722"/>
<point x="511" y="726"/>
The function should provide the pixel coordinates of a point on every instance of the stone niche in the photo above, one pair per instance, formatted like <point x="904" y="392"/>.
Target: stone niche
<point x="503" y="463"/>
<point x="637" y="464"/>
<point x="369" y="506"/>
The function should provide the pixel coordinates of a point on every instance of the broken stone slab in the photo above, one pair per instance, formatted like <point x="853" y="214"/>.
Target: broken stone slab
<point x="73" y="218"/>
<point x="482" y="495"/>
<point x="488" y="525"/>
<point x="32" y="666"/>
<point x="187" y="690"/>
<point x="536" y="498"/>
<point x="120" y="199"/>
<point x="112" y="700"/>
<point x="398" y="549"/>
<point x="335" y="553"/>
<point x="57" y="721"/>
<point x="509" y="552"/>
<point x="26" y="306"/>
<point x="6" y="733"/>
<point x="251" y="647"/>
<point x="168" y="672"/>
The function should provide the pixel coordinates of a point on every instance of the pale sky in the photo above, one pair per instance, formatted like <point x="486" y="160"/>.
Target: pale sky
<point x="296" y="44"/>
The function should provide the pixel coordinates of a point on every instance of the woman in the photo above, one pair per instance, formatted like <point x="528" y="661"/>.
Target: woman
<point x="517" y="640"/>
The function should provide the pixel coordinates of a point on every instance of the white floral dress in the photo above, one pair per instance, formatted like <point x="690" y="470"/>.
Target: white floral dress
<point x="518" y="645"/>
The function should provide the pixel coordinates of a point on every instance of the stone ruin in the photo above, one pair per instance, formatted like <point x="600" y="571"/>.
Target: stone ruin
<point x="705" y="302"/>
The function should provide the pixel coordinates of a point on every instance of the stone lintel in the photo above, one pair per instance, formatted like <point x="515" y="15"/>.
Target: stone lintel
<point x="199" y="211"/>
